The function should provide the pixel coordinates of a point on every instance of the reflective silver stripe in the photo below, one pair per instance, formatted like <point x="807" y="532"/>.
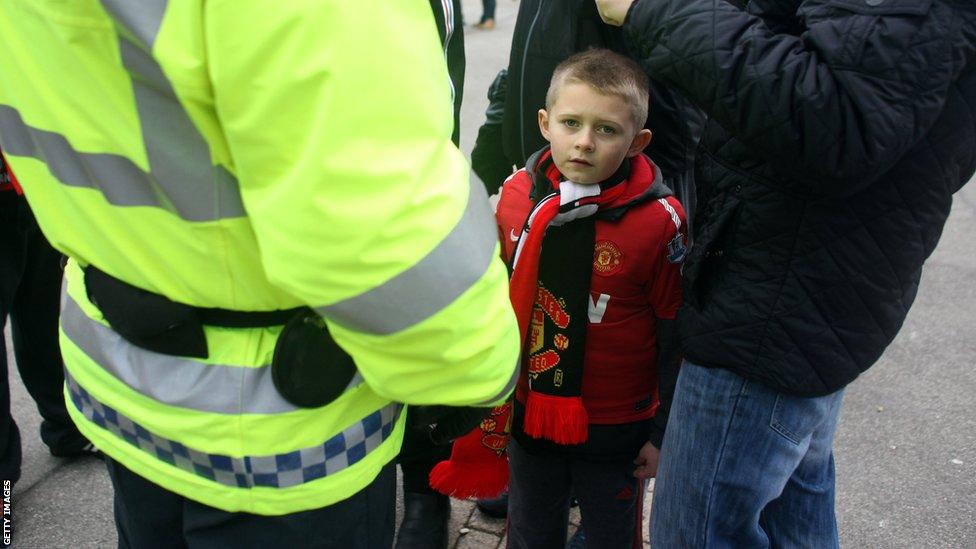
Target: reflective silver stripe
<point x="293" y="468"/>
<point x="141" y="18"/>
<point x="182" y="178"/>
<point x="418" y="293"/>
<point x="120" y="181"/>
<point x="175" y="381"/>
<point x="179" y="157"/>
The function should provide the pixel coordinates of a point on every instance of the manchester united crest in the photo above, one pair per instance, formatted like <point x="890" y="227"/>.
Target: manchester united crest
<point x="495" y="428"/>
<point x="546" y="305"/>
<point x="607" y="258"/>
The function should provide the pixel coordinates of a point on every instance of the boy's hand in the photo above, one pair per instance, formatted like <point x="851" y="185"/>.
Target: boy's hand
<point x="613" y="12"/>
<point x="646" y="461"/>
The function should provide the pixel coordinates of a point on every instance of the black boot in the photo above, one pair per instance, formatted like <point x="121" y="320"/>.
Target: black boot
<point x="494" y="507"/>
<point x="425" y="518"/>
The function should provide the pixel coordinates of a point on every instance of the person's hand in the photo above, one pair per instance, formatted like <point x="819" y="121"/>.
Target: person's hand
<point x="646" y="461"/>
<point x="446" y="423"/>
<point x="613" y="12"/>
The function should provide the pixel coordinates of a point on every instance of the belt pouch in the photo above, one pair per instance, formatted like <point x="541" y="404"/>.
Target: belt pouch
<point x="145" y="319"/>
<point x="309" y="369"/>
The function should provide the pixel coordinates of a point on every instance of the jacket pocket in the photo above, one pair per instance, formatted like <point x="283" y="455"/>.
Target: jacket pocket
<point x="707" y="248"/>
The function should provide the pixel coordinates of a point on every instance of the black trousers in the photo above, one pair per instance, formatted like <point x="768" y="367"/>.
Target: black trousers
<point x="418" y="456"/>
<point x="30" y="288"/>
<point x="150" y="517"/>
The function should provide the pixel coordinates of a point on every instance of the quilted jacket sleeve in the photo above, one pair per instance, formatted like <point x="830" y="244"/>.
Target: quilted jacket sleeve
<point x="832" y="105"/>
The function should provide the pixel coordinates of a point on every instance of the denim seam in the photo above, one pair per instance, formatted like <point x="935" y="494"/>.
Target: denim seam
<point x="779" y="427"/>
<point x="721" y="457"/>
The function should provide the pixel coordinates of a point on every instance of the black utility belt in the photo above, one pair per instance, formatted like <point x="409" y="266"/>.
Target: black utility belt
<point x="309" y="369"/>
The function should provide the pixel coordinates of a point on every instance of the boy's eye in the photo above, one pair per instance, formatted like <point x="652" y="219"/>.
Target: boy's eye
<point x="607" y="130"/>
<point x="570" y="123"/>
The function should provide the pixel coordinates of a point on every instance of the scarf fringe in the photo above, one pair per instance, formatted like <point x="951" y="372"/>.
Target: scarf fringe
<point x="482" y="480"/>
<point x="478" y="466"/>
<point x="470" y="479"/>
<point x="560" y="419"/>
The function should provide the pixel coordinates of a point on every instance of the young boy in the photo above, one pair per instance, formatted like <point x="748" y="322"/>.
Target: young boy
<point x="595" y="241"/>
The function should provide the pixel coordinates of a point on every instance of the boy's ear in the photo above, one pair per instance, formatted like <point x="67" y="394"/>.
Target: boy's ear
<point x="641" y="140"/>
<point x="544" y="123"/>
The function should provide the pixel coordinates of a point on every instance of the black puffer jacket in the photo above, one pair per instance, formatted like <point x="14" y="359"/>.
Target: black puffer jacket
<point x="839" y="130"/>
<point x="546" y="33"/>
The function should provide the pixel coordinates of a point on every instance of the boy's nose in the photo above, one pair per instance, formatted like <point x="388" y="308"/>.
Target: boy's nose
<point x="584" y="141"/>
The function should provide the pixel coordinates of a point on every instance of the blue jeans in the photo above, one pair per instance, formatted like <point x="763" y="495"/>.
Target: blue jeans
<point x="745" y="466"/>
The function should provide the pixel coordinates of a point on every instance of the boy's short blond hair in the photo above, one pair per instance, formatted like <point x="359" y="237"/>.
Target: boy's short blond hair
<point x="608" y="73"/>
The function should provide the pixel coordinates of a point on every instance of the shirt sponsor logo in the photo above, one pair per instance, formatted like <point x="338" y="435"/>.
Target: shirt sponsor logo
<point x="598" y="308"/>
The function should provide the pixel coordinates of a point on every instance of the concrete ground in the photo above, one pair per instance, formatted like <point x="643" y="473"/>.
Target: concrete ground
<point x="905" y="449"/>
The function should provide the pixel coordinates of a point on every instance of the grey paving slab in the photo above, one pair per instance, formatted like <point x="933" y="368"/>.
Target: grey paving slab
<point x="485" y="523"/>
<point x="37" y="461"/>
<point x="906" y="443"/>
<point x="71" y="508"/>
<point x="475" y="539"/>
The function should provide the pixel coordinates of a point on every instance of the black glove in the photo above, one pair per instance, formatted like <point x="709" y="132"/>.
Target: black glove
<point x="446" y="423"/>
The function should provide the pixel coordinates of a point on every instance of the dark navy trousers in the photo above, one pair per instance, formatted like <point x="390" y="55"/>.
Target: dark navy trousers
<point x="30" y="290"/>
<point x="148" y="516"/>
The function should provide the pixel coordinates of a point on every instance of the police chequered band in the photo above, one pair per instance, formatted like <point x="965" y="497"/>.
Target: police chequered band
<point x="277" y="471"/>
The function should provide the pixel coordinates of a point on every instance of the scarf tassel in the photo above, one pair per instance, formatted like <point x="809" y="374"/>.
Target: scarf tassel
<point x="483" y="480"/>
<point x="557" y="418"/>
<point x="478" y="466"/>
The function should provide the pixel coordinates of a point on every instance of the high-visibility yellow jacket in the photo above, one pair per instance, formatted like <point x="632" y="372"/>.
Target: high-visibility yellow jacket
<point x="254" y="157"/>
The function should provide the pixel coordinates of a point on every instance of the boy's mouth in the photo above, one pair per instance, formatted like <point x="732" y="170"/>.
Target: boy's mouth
<point x="579" y="161"/>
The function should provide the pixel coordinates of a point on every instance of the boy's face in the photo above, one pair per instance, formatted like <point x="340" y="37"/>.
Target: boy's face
<point x="590" y="133"/>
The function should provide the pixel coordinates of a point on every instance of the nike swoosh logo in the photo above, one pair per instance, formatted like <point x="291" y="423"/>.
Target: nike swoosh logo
<point x="512" y="235"/>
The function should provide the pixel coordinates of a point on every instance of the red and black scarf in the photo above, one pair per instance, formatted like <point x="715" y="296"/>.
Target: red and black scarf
<point x="549" y="291"/>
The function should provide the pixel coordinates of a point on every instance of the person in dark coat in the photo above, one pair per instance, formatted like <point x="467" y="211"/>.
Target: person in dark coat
<point x="838" y="132"/>
<point x="30" y="290"/>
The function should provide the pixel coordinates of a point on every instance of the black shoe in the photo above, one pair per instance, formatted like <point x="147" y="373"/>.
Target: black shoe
<point x="424" y="523"/>
<point x="494" y="507"/>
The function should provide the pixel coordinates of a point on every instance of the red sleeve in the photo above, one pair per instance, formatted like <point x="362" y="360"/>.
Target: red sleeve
<point x="664" y="285"/>
<point x="512" y="210"/>
<point x="7" y="179"/>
